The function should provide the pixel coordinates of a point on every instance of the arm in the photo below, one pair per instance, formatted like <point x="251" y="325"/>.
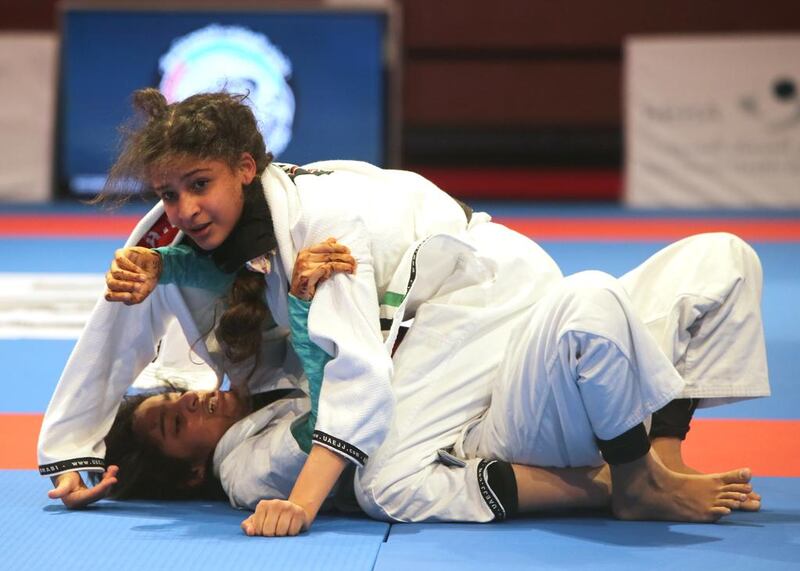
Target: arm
<point x="136" y="271"/>
<point x="323" y="467"/>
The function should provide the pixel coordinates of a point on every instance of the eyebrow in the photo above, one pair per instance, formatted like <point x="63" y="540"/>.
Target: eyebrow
<point x="183" y="177"/>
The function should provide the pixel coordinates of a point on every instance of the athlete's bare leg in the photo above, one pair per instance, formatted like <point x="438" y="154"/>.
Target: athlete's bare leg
<point x="669" y="450"/>
<point x="540" y="489"/>
<point x="646" y="489"/>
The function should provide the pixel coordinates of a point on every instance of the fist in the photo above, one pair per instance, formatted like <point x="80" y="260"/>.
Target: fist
<point x="276" y="518"/>
<point x="133" y="275"/>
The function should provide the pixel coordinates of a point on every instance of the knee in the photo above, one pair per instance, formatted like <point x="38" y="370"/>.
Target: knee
<point x="593" y="302"/>
<point x="386" y="495"/>
<point x="593" y="290"/>
<point x="724" y="248"/>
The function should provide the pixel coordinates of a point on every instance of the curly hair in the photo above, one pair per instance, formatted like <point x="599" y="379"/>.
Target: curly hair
<point x="144" y="471"/>
<point x="218" y="126"/>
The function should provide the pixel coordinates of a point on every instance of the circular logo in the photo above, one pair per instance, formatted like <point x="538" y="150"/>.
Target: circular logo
<point x="777" y="105"/>
<point x="236" y="60"/>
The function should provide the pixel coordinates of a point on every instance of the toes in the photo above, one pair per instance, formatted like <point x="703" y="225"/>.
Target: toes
<point x="736" y="488"/>
<point x="750" y="506"/>
<point x="733" y="496"/>
<point x="730" y="504"/>
<point x="718" y="512"/>
<point x="741" y="476"/>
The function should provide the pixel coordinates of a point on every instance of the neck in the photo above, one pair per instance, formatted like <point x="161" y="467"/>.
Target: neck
<point x="253" y="234"/>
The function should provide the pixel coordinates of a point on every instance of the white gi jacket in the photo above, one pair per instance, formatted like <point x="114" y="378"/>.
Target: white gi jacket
<point x="258" y="458"/>
<point x="377" y="213"/>
<point x="469" y="284"/>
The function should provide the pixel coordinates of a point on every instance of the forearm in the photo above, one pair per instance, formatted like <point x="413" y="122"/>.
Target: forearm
<point x="542" y="489"/>
<point x="183" y="266"/>
<point x="316" y="480"/>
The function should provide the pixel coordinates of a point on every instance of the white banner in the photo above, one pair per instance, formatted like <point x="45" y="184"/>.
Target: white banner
<point x="713" y="121"/>
<point x="27" y="115"/>
<point x="57" y="306"/>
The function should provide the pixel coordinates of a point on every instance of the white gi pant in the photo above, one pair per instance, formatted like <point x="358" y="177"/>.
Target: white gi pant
<point x="593" y="358"/>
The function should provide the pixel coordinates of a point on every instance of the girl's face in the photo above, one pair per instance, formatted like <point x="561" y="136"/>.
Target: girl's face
<point x="203" y="197"/>
<point x="187" y="426"/>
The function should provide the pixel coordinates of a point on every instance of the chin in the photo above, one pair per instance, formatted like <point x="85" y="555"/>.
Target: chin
<point x="207" y="244"/>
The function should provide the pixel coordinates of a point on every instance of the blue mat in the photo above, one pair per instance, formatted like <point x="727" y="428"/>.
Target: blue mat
<point x="766" y="540"/>
<point x="33" y="367"/>
<point x="41" y="534"/>
<point x="64" y="255"/>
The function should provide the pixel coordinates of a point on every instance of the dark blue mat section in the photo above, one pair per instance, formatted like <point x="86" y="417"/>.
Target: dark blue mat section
<point x="33" y="367"/>
<point x="40" y="534"/>
<point x="766" y="540"/>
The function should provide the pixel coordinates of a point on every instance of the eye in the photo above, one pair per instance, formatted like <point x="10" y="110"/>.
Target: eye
<point x="168" y="196"/>
<point x="200" y="184"/>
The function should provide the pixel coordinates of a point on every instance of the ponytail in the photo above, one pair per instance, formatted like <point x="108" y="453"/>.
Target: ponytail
<point x="239" y="327"/>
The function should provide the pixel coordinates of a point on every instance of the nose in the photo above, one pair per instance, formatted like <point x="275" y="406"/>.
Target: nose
<point x="190" y="401"/>
<point x="185" y="210"/>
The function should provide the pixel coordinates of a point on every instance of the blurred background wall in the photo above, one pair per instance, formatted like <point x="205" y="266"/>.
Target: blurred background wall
<point x="525" y="92"/>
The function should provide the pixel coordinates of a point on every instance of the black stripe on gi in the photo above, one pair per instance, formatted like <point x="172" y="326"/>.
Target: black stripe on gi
<point x="386" y="324"/>
<point x="487" y="493"/>
<point x="345" y="448"/>
<point x="72" y="464"/>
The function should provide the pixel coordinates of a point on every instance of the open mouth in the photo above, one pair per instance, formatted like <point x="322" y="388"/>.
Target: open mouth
<point x="199" y="229"/>
<point x="213" y="401"/>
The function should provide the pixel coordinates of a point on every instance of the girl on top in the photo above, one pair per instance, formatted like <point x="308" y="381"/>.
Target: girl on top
<point x="206" y="160"/>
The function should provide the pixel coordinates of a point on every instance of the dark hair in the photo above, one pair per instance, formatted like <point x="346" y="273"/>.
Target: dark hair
<point x="144" y="471"/>
<point x="239" y="327"/>
<point x="216" y="126"/>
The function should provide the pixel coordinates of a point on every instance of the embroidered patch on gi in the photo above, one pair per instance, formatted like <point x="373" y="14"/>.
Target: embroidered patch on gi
<point x="294" y="171"/>
<point x="161" y="233"/>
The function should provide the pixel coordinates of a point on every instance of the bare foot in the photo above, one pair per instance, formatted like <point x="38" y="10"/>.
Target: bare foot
<point x="646" y="489"/>
<point x="669" y="452"/>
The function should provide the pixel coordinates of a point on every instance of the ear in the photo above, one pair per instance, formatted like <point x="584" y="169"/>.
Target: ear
<point x="197" y="476"/>
<point x="247" y="168"/>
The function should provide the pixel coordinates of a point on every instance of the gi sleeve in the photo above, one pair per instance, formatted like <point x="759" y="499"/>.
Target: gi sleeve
<point x="183" y="266"/>
<point x="356" y="401"/>
<point x="116" y="345"/>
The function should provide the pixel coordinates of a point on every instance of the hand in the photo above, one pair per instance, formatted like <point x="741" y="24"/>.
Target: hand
<point x="133" y="275"/>
<point x="276" y="518"/>
<point x="316" y="264"/>
<point x="71" y="490"/>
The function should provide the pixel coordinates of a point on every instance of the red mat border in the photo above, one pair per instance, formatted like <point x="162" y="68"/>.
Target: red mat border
<point x="539" y="227"/>
<point x="769" y="447"/>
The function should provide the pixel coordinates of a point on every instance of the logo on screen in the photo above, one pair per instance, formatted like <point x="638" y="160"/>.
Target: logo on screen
<point x="777" y="106"/>
<point x="236" y="60"/>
